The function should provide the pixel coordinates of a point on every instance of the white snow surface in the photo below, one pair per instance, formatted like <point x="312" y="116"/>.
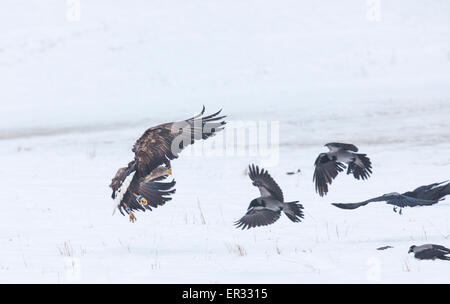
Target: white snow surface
<point x="76" y="95"/>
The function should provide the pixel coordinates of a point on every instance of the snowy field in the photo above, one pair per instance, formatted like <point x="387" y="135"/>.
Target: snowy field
<point x="77" y="92"/>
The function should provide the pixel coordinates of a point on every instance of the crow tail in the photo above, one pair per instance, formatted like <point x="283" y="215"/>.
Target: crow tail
<point x="293" y="211"/>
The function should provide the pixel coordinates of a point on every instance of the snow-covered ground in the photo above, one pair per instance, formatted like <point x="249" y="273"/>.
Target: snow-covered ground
<point x="76" y="95"/>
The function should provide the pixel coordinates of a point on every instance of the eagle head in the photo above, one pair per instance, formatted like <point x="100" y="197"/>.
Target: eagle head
<point x="117" y="181"/>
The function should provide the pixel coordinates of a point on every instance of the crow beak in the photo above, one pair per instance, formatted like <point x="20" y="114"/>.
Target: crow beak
<point x="113" y="195"/>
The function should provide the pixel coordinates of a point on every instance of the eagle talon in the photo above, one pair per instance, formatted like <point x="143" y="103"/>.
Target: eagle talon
<point x="143" y="202"/>
<point x="132" y="217"/>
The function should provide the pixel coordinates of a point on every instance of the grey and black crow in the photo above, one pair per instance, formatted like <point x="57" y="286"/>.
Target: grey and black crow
<point x="421" y="196"/>
<point x="267" y="208"/>
<point x="435" y="191"/>
<point x="328" y="165"/>
<point x="430" y="252"/>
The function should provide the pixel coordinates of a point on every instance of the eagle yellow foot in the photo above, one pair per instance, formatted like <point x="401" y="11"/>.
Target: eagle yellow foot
<point x="132" y="217"/>
<point x="143" y="202"/>
<point x="169" y="171"/>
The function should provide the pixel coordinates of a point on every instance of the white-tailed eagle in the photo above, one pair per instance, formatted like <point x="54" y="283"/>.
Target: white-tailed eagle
<point x="140" y="186"/>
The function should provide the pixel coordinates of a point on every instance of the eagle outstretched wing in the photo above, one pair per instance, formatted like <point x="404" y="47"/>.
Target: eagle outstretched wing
<point x="158" y="145"/>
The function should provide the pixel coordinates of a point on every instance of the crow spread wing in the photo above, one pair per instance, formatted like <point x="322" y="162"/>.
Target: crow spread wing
<point x="361" y="167"/>
<point x="326" y="169"/>
<point x="436" y="191"/>
<point x="391" y="199"/>
<point x="360" y="204"/>
<point x="406" y="201"/>
<point x="265" y="183"/>
<point x="258" y="216"/>
<point x="427" y="187"/>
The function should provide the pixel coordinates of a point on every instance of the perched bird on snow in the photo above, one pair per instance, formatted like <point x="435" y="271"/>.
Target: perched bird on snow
<point x="384" y="247"/>
<point x="328" y="165"/>
<point x="422" y="196"/>
<point x="267" y="208"/>
<point x="430" y="252"/>
<point x="138" y="186"/>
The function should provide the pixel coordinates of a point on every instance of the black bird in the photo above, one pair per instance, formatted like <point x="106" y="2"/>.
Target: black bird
<point x="384" y="247"/>
<point x="328" y="165"/>
<point x="435" y="191"/>
<point x="421" y="196"/>
<point x="430" y="252"/>
<point x="266" y="209"/>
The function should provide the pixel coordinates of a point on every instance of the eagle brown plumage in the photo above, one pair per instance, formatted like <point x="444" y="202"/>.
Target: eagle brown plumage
<point x="151" y="165"/>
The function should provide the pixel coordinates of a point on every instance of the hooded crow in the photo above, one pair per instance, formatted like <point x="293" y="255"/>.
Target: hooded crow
<point x="328" y="165"/>
<point x="430" y="252"/>
<point x="421" y="196"/>
<point x="266" y="209"/>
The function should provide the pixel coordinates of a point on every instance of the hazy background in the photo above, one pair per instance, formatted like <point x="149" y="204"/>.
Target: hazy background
<point x="121" y="62"/>
<point x="76" y="91"/>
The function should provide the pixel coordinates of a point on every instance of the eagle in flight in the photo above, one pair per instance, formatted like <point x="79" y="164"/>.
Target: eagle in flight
<point x="140" y="186"/>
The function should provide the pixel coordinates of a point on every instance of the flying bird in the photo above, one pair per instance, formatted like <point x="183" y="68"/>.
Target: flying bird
<point x="435" y="191"/>
<point x="328" y="165"/>
<point x="421" y="196"/>
<point x="267" y="208"/>
<point x="430" y="252"/>
<point x="140" y="186"/>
